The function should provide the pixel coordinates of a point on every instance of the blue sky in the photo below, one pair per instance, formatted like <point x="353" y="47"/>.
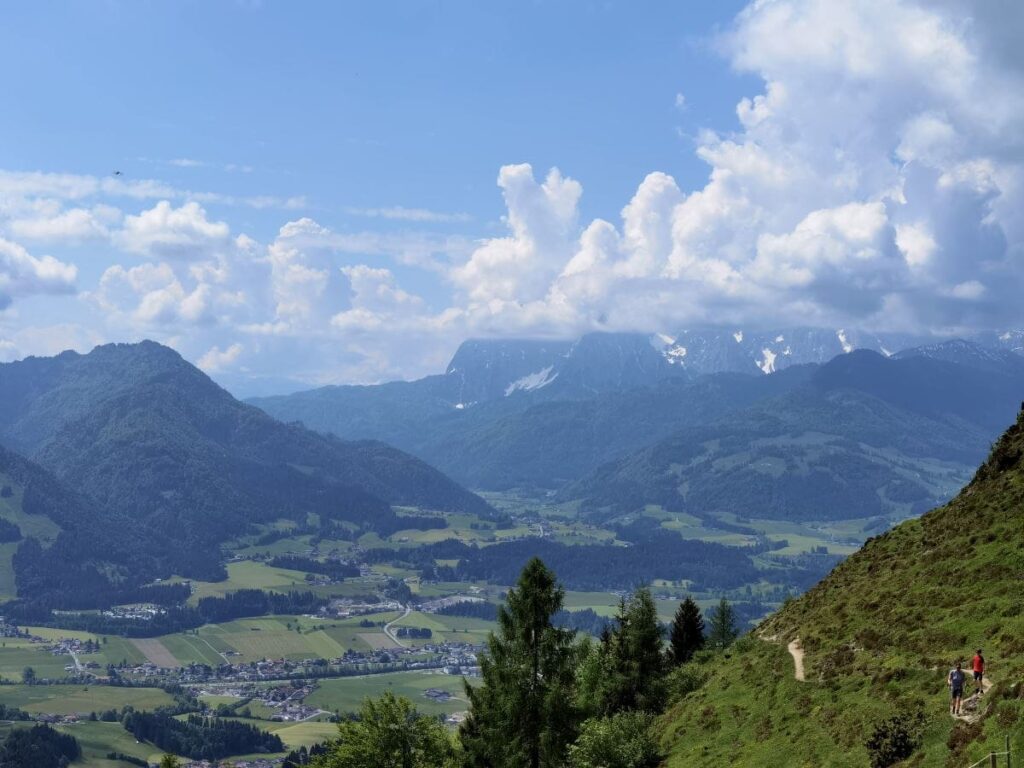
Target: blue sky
<point x="307" y="191"/>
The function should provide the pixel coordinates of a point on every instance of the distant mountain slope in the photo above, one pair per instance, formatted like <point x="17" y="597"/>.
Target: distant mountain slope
<point x="526" y="440"/>
<point x="880" y="633"/>
<point x="864" y="436"/>
<point x="150" y="437"/>
<point x="71" y="548"/>
<point x="483" y="371"/>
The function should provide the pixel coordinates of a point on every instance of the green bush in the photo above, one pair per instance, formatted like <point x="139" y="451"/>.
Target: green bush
<point x="684" y="680"/>
<point x="894" y="740"/>
<point x="624" y="740"/>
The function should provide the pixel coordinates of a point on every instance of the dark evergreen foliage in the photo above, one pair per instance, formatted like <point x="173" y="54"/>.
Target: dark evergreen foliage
<point x="332" y="568"/>
<point x="169" y="465"/>
<point x="588" y="567"/>
<point x="686" y="635"/>
<point x="209" y="610"/>
<point x="200" y="738"/>
<point x="9" y="532"/>
<point x="38" y="747"/>
<point x="632" y="659"/>
<point x="522" y="715"/>
<point x="722" y="630"/>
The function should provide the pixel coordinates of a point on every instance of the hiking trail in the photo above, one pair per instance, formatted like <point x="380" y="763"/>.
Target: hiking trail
<point x="969" y="706"/>
<point x="797" y="652"/>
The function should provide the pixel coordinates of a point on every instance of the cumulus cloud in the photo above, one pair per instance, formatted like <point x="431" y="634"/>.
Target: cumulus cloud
<point x="22" y="274"/>
<point x="167" y="232"/>
<point x="74" y="225"/>
<point x="876" y="180"/>
<point x="217" y="359"/>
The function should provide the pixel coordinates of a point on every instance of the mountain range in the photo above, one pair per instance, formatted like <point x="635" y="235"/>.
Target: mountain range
<point x="621" y="420"/>
<point x="156" y="452"/>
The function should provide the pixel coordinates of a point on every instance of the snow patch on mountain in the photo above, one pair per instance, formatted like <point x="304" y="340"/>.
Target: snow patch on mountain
<point x="768" y="363"/>
<point x="843" y="341"/>
<point x="532" y="381"/>
<point x="738" y="335"/>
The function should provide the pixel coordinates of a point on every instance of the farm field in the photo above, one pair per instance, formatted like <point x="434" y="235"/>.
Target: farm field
<point x="69" y="699"/>
<point x="267" y="637"/>
<point x="346" y="694"/>
<point x="249" y="574"/>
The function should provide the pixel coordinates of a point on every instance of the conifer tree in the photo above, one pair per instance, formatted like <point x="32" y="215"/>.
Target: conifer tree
<point x="687" y="634"/>
<point x="723" y="630"/>
<point x="634" y="659"/>
<point x="523" y="716"/>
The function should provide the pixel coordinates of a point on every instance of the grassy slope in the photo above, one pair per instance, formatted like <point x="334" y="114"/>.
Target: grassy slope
<point x="880" y="633"/>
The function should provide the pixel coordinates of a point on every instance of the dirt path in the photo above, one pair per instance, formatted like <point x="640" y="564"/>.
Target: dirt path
<point x="969" y="706"/>
<point x="797" y="652"/>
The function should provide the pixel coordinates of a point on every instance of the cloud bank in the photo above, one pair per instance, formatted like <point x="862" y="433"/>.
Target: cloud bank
<point x="875" y="180"/>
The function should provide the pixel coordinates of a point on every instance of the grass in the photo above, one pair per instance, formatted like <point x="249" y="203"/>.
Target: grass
<point x="69" y="699"/>
<point x="457" y="629"/>
<point x="880" y="633"/>
<point x="346" y="694"/>
<point x="249" y="574"/>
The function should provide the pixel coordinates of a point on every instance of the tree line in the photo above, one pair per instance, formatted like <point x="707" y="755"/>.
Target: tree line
<point x="200" y="738"/>
<point x="209" y="610"/>
<point x="547" y="699"/>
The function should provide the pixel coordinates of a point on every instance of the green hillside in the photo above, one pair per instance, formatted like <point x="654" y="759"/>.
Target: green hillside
<point x="151" y="440"/>
<point x="879" y="635"/>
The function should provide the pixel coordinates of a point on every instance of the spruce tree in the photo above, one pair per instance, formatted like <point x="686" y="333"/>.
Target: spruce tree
<point x="687" y="634"/>
<point x="522" y="716"/>
<point x="723" y="625"/>
<point x="635" y="663"/>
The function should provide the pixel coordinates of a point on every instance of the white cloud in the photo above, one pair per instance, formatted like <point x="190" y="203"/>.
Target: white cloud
<point x="22" y="274"/>
<point x="542" y="219"/>
<point x="217" y="359"/>
<point x="74" y="225"/>
<point x="876" y="181"/>
<point x="399" y="213"/>
<point x="27" y="185"/>
<point x="167" y="232"/>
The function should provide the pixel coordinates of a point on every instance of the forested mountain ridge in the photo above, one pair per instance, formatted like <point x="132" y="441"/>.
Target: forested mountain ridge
<point x="880" y="633"/>
<point x="69" y="547"/>
<point x="152" y="439"/>
<point x="863" y="435"/>
<point x="553" y="431"/>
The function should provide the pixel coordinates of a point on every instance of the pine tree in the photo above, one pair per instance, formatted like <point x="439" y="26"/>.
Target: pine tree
<point x="522" y="716"/>
<point x="634" y="663"/>
<point x="723" y="625"/>
<point x="687" y="634"/>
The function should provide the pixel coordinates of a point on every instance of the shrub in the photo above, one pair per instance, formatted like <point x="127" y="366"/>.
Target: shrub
<point x="894" y="739"/>
<point x="624" y="740"/>
<point x="684" y="680"/>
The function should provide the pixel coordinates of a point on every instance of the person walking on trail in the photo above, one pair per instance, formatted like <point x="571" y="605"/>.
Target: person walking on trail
<point x="955" y="681"/>
<point x="978" y="666"/>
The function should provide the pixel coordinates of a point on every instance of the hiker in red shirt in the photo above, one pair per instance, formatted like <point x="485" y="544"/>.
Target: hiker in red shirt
<point x="978" y="665"/>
